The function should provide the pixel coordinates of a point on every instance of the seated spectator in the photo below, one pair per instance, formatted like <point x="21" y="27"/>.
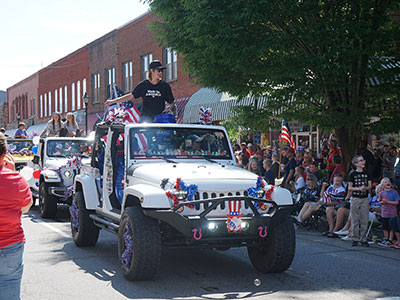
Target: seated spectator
<point x="313" y="169"/>
<point x="307" y="161"/>
<point x="334" y="205"/>
<point x="339" y="167"/>
<point x="254" y="166"/>
<point x="299" y="181"/>
<point x="310" y="197"/>
<point x="21" y="132"/>
<point x="269" y="173"/>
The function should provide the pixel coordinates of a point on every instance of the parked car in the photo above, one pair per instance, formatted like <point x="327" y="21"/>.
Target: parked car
<point x="175" y="185"/>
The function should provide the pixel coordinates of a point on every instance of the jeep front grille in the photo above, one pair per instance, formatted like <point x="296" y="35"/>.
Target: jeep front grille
<point x="208" y="195"/>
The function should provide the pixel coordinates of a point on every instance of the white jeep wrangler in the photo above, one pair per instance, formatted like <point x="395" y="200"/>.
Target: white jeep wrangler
<point x="174" y="185"/>
<point x="59" y="159"/>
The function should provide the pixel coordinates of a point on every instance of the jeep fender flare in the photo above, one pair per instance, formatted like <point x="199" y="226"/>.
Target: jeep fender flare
<point x="150" y="196"/>
<point x="87" y="185"/>
<point x="281" y="196"/>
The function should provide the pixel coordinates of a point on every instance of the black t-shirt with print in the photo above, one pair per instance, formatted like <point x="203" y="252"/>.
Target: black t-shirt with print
<point x="359" y="179"/>
<point x="154" y="97"/>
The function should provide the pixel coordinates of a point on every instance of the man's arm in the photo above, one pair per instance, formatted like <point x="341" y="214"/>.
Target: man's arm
<point x="124" y="98"/>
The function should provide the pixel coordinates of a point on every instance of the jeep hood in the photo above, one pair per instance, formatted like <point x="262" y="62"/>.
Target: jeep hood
<point x="201" y="174"/>
<point x="60" y="161"/>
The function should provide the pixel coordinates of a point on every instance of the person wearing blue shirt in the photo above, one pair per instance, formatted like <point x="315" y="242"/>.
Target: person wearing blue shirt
<point x="269" y="173"/>
<point x="21" y="132"/>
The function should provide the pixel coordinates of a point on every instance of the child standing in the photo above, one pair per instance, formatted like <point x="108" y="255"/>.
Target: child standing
<point x="389" y="199"/>
<point x="359" y="185"/>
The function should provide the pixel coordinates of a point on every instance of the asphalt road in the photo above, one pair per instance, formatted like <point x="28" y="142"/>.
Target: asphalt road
<point x="322" y="269"/>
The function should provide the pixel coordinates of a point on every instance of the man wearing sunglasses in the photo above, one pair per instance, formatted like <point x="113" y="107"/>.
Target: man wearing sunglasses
<point x="154" y="92"/>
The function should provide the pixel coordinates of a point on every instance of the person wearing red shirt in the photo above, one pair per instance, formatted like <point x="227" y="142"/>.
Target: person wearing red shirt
<point x="15" y="199"/>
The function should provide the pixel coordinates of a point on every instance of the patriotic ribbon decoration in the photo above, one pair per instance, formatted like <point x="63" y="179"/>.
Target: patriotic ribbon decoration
<point x="205" y="115"/>
<point x="181" y="186"/>
<point x="253" y="192"/>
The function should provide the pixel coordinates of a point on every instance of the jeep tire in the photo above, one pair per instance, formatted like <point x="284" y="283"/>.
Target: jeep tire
<point x="87" y="233"/>
<point x="145" y="243"/>
<point x="47" y="202"/>
<point x="277" y="252"/>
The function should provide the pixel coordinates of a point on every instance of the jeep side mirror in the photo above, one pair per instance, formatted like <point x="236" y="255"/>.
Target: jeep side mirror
<point x="35" y="160"/>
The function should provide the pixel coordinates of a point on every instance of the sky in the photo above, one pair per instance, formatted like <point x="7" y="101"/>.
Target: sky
<point x="37" y="33"/>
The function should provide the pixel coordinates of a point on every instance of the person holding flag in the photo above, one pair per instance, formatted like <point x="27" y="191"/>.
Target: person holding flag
<point x="154" y="92"/>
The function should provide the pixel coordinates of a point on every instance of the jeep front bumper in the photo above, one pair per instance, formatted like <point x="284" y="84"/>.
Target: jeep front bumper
<point x="60" y="192"/>
<point x="212" y="231"/>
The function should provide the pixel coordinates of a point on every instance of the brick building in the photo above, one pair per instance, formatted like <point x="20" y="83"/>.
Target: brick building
<point x="22" y="101"/>
<point x="121" y="56"/>
<point x="63" y="83"/>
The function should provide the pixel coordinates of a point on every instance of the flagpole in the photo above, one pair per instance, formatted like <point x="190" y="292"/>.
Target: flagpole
<point x="280" y="159"/>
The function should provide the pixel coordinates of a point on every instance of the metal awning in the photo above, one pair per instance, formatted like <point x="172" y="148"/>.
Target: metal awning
<point x="220" y="103"/>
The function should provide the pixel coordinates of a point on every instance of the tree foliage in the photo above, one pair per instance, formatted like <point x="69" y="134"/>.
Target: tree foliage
<point x="334" y="64"/>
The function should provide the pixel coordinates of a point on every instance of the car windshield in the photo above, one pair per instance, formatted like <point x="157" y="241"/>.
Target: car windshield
<point x="180" y="143"/>
<point x="66" y="148"/>
<point x="22" y="147"/>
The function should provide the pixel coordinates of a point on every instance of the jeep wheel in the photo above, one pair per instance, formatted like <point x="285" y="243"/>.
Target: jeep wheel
<point x="277" y="252"/>
<point x="84" y="232"/>
<point x="47" y="202"/>
<point x="139" y="245"/>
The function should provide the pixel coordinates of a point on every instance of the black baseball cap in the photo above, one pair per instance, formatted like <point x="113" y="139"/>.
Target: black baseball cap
<point x="156" y="64"/>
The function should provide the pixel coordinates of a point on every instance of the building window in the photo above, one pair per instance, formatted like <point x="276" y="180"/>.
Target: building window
<point x="73" y="96"/>
<point x="145" y="61"/>
<point x="45" y="105"/>
<point x="84" y="86"/>
<point x="127" y="75"/>
<point x="78" y="95"/>
<point x="96" y="88"/>
<point x="110" y="74"/>
<point x="171" y="62"/>
<point x="49" y="103"/>
<point x="41" y="105"/>
<point x="33" y="110"/>
<point x="65" y="99"/>
<point x="55" y="100"/>
<point x="60" y="98"/>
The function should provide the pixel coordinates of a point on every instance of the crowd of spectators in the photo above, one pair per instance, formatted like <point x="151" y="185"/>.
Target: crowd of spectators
<point x="371" y="185"/>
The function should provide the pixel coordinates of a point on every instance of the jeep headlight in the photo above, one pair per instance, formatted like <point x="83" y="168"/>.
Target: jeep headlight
<point x="67" y="173"/>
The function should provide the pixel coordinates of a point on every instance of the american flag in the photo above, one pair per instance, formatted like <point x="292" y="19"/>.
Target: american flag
<point x="126" y="110"/>
<point x="286" y="134"/>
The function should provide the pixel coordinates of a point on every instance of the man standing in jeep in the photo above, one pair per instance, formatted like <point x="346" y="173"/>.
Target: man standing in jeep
<point x="154" y="92"/>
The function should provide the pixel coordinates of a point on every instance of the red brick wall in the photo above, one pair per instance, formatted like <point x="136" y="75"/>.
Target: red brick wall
<point x="70" y="69"/>
<point x="102" y="56"/>
<point x="19" y="96"/>
<point x="135" y="40"/>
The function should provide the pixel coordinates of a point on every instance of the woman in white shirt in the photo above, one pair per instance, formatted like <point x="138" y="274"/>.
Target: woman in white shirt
<point x="53" y="126"/>
<point x="71" y="125"/>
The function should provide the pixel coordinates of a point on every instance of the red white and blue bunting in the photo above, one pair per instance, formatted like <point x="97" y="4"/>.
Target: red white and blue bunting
<point x="205" y="116"/>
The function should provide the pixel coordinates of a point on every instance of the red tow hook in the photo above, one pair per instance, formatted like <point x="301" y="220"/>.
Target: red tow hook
<point x="195" y="235"/>
<point x="260" y="231"/>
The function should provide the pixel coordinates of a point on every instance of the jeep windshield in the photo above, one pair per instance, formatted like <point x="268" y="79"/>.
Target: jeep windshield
<point x="179" y="143"/>
<point x="67" y="148"/>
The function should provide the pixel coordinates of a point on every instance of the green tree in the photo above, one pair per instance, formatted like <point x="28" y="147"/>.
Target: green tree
<point x="329" y="63"/>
